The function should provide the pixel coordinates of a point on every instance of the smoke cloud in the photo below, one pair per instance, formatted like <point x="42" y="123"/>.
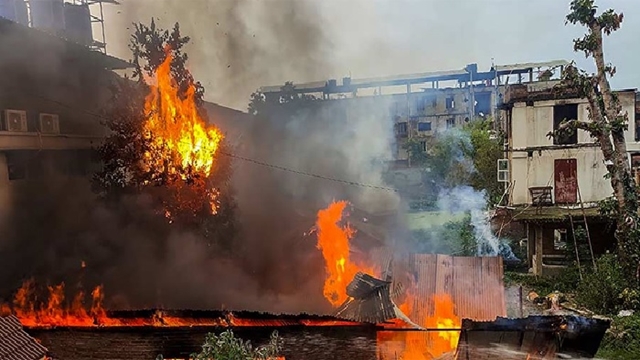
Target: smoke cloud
<point x="275" y="265"/>
<point x="238" y="45"/>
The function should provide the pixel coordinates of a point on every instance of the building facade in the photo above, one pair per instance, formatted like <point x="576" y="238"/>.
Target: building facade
<point x="52" y="92"/>
<point x="422" y="105"/>
<point x="555" y="183"/>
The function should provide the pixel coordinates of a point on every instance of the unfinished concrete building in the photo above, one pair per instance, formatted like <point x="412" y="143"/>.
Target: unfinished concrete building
<point x="554" y="184"/>
<point x="425" y="104"/>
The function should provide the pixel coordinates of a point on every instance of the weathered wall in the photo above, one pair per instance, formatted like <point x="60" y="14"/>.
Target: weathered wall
<point x="538" y="170"/>
<point x="533" y="154"/>
<point x="145" y="344"/>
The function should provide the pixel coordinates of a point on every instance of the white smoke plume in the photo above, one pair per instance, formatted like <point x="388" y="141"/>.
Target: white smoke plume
<point x="466" y="199"/>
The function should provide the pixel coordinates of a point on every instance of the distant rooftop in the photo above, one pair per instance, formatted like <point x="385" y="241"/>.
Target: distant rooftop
<point x="467" y="74"/>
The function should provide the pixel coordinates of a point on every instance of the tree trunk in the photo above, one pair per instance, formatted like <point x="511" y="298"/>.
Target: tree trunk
<point x="614" y="148"/>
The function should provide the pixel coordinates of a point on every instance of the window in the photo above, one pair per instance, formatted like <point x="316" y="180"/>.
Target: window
<point x="423" y="145"/>
<point x="635" y="166"/>
<point x="559" y="239"/>
<point x="451" y="123"/>
<point x="560" y="114"/>
<point x="401" y="128"/>
<point x="434" y="102"/>
<point x="450" y="102"/>
<point x="637" y="126"/>
<point x="421" y="105"/>
<point x="424" y="126"/>
<point x="16" y="166"/>
<point x="503" y="170"/>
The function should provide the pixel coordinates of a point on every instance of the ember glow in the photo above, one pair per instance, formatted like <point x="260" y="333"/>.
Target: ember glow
<point x="416" y="345"/>
<point x="333" y="241"/>
<point x="182" y="144"/>
<point x="56" y="310"/>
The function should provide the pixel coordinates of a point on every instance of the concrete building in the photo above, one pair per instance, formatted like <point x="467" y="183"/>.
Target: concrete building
<point x="424" y="104"/>
<point x="52" y="90"/>
<point x="554" y="185"/>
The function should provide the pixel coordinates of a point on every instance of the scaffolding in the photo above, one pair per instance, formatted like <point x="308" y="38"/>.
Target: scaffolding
<point x="96" y="18"/>
<point x="96" y="9"/>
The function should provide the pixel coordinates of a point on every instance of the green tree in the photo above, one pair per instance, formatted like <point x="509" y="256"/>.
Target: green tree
<point x="463" y="157"/>
<point x="228" y="347"/>
<point x="608" y="123"/>
<point x="177" y="191"/>
<point x="485" y="152"/>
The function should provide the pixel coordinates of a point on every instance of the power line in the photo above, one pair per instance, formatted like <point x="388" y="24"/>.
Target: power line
<point x="235" y="156"/>
<point x="354" y="183"/>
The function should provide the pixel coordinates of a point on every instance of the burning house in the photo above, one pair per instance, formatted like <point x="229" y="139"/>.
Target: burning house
<point x="555" y="184"/>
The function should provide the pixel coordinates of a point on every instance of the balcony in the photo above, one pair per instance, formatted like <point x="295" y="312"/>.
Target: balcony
<point x="10" y="140"/>
<point x="541" y="195"/>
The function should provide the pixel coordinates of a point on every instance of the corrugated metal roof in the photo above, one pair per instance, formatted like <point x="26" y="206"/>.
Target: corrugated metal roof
<point x="475" y="284"/>
<point x="369" y="301"/>
<point x="15" y="343"/>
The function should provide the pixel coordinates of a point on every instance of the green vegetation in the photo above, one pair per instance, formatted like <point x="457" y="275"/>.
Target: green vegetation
<point x="457" y="157"/>
<point x="607" y="125"/>
<point x="227" y="346"/>
<point x="466" y="156"/>
<point x="176" y="189"/>
<point x="425" y="220"/>
<point x="622" y="341"/>
<point x="453" y="237"/>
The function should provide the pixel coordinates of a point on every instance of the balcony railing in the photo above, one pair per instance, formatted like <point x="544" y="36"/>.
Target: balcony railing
<point x="541" y="195"/>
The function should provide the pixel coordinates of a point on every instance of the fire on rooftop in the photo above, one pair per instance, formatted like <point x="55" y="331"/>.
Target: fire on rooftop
<point x="427" y="307"/>
<point x="385" y="305"/>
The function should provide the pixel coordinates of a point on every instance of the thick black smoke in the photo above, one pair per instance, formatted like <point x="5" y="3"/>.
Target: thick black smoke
<point x="56" y="223"/>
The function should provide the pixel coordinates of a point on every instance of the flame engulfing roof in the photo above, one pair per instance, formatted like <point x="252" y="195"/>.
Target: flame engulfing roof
<point x="369" y="302"/>
<point x="15" y="344"/>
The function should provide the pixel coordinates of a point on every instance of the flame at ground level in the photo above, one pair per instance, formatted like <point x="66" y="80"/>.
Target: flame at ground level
<point x="416" y="345"/>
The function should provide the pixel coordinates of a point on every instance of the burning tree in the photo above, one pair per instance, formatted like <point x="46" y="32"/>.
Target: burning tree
<point x="161" y="142"/>
<point x="607" y="126"/>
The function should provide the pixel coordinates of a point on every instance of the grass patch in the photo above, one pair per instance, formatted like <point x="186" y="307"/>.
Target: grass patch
<point x="428" y="219"/>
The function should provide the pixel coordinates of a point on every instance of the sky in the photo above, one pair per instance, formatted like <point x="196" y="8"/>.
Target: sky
<point x="239" y="45"/>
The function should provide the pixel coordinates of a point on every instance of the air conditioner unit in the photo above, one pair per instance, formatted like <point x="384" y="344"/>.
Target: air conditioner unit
<point x="49" y="124"/>
<point x="15" y="120"/>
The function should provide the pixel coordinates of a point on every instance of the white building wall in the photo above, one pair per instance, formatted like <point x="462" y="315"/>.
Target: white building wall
<point x="533" y="152"/>
<point x="538" y="170"/>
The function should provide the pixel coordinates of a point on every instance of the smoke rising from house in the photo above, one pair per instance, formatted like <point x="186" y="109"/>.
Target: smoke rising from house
<point x="145" y="262"/>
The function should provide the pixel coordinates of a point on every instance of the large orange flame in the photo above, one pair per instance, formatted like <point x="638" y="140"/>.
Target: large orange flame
<point x="417" y="345"/>
<point x="333" y="241"/>
<point x="55" y="311"/>
<point x="182" y="144"/>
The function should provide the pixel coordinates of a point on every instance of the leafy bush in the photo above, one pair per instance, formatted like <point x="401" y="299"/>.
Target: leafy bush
<point x="564" y="282"/>
<point x="622" y="341"/>
<point x="228" y="347"/>
<point x="606" y="291"/>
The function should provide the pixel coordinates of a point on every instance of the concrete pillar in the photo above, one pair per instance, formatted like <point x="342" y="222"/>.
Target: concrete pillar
<point x="539" y="250"/>
<point x="5" y="195"/>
